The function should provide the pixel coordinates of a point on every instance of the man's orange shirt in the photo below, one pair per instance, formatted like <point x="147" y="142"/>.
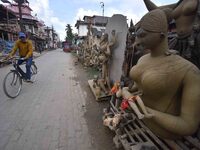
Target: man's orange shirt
<point x="25" y="48"/>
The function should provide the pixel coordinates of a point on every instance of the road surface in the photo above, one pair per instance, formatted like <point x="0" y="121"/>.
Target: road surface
<point x="57" y="112"/>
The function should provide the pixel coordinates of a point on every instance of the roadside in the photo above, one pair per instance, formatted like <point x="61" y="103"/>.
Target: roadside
<point x="101" y="135"/>
<point x="51" y="113"/>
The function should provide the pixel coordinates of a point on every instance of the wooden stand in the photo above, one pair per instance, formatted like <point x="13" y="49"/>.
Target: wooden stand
<point x="102" y="97"/>
<point x="133" y="134"/>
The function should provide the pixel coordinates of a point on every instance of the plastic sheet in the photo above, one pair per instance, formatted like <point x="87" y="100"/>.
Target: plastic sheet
<point x="6" y="46"/>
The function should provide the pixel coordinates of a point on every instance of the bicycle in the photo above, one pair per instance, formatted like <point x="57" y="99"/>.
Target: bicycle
<point x="12" y="83"/>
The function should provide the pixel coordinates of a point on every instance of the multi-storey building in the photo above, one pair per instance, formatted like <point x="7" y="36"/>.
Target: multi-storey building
<point x="10" y="20"/>
<point x="95" y="24"/>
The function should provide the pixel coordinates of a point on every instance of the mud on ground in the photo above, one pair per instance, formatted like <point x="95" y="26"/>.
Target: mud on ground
<point x="101" y="135"/>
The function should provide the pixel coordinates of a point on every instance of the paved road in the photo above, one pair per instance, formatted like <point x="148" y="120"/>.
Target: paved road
<point x="49" y="114"/>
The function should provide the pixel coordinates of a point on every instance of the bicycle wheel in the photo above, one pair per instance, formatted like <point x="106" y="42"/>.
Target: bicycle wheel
<point x="12" y="84"/>
<point x="33" y="72"/>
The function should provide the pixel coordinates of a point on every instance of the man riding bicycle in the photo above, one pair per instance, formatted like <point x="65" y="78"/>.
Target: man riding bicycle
<point x="25" y="49"/>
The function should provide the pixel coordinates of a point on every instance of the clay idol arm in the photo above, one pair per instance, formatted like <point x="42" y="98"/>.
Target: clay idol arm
<point x="151" y="6"/>
<point x="188" y="120"/>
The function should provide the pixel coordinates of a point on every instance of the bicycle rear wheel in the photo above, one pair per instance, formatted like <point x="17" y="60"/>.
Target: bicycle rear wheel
<point x="33" y="72"/>
<point x="12" y="84"/>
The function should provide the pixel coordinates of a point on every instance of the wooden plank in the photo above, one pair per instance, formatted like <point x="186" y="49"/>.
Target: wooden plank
<point x="136" y="134"/>
<point x="124" y="143"/>
<point x="182" y="145"/>
<point x="145" y="145"/>
<point x="159" y="144"/>
<point x="129" y="135"/>
<point x="145" y="130"/>
<point x="113" y="105"/>
<point x="198" y="134"/>
<point x="172" y="144"/>
<point x="195" y="142"/>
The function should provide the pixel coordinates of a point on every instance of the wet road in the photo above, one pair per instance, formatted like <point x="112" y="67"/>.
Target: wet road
<point x="48" y="114"/>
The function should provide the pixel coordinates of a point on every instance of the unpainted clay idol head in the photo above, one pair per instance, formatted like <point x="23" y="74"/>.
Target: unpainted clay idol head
<point x="154" y="21"/>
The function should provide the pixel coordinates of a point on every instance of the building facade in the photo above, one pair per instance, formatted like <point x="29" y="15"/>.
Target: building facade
<point x="91" y="23"/>
<point x="35" y="28"/>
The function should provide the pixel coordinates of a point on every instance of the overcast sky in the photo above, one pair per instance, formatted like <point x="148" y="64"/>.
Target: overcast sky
<point x="61" y="12"/>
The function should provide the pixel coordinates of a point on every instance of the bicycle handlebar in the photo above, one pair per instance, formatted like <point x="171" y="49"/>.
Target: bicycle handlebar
<point x="13" y="58"/>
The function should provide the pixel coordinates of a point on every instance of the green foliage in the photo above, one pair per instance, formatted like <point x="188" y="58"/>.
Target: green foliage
<point x="69" y="34"/>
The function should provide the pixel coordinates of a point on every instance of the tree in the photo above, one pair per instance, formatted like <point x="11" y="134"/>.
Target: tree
<point x="131" y="23"/>
<point x="132" y="27"/>
<point x="69" y="34"/>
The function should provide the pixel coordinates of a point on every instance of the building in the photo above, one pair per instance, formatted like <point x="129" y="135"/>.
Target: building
<point x="9" y="29"/>
<point x="29" y="22"/>
<point x="9" y="26"/>
<point x="41" y="36"/>
<point x="12" y="20"/>
<point x="52" y="38"/>
<point x="95" y="24"/>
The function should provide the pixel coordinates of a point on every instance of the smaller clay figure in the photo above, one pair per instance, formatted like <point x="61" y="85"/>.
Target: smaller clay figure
<point x="112" y="122"/>
<point x="133" y="101"/>
<point x="104" y="58"/>
<point x="113" y="40"/>
<point x="96" y="87"/>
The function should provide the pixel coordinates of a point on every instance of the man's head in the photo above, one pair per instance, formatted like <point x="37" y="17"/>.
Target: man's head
<point x="22" y="36"/>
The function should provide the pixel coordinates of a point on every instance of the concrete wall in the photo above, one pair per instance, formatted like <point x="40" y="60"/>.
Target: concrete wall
<point x="82" y="31"/>
<point x="118" y="23"/>
<point x="99" y="28"/>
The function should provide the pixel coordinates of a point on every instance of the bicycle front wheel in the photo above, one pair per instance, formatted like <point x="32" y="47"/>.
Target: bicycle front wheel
<point x="12" y="84"/>
<point x="33" y="72"/>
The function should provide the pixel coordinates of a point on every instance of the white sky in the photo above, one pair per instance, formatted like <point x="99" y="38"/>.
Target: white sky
<point x="59" y="13"/>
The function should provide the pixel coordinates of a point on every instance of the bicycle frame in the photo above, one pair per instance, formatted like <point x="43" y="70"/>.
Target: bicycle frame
<point x="14" y="60"/>
<point x="17" y="68"/>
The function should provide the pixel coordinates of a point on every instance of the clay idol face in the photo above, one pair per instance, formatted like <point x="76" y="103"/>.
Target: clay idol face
<point x="146" y="39"/>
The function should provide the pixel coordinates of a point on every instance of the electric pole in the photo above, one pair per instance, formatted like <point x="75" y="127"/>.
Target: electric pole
<point x="102" y="6"/>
